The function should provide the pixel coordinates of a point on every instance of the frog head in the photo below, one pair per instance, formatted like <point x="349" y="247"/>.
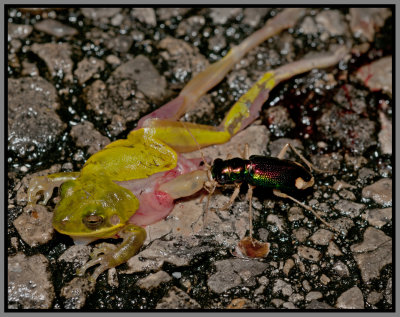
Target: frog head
<point x="93" y="207"/>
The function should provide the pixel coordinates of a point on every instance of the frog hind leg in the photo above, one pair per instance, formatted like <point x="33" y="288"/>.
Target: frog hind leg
<point x="112" y="256"/>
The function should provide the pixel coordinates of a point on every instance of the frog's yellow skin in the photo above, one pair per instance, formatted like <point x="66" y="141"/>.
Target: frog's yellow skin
<point x="93" y="206"/>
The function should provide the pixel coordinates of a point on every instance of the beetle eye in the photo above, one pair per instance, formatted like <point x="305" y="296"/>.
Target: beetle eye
<point x="93" y="221"/>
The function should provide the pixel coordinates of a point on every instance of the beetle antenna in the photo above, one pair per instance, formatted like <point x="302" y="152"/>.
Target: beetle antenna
<point x="197" y="143"/>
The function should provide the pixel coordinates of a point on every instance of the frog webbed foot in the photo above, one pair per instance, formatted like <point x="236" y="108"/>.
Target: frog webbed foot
<point x="40" y="185"/>
<point x="44" y="186"/>
<point x="109" y="256"/>
<point x="102" y="254"/>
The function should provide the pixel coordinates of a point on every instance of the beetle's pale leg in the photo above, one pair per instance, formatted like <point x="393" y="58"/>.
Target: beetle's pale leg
<point x="283" y="195"/>
<point x="233" y="197"/>
<point x="308" y="163"/>
<point x="250" y="195"/>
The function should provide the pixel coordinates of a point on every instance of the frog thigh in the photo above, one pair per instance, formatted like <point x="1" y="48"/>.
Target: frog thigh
<point x="138" y="156"/>
<point x="185" y="136"/>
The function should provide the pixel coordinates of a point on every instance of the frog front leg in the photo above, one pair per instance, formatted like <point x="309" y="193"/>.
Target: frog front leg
<point x="45" y="185"/>
<point x="112" y="256"/>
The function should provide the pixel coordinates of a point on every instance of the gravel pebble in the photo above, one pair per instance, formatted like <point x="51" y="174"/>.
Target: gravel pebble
<point x="88" y="68"/>
<point x="380" y="192"/>
<point x="373" y="253"/>
<point x="280" y="286"/>
<point x="313" y="296"/>
<point x="29" y="282"/>
<point x="76" y="291"/>
<point x="34" y="225"/>
<point x="85" y="135"/>
<point x="341" y="269"/>
<point x="177" y="299"/>
<point x="351" y="299"/>
<point x="378" y="217"/>
<point x="349" y="208"/>
<point x="234" y="272"/>
<point x="55" y="28"/>
<point x="57" y="57"/>
<point x="322" y="237"/>
<point x="309" y="253"/>
<point x="154" y="280"/>
<point x="374" y="298"/>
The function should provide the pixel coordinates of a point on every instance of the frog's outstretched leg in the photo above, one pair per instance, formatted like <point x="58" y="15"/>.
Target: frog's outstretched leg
<point x="213" y="74"/>
<point x="133" y="236"/>
<point x="46" y="185"/>
<point x="241" y="114"/>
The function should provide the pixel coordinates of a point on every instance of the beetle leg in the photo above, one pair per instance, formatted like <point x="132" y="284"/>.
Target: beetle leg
<point x="283" y="195"/>
<point x="233" y="197"/>
<point x="308" y="163"/>
<point x="250" y="197"/>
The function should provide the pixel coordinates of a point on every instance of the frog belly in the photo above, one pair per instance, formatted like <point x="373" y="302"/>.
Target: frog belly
<point x="155" y="205"/>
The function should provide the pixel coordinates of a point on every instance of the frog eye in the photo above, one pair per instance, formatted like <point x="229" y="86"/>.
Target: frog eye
<point x="93" y="221"/>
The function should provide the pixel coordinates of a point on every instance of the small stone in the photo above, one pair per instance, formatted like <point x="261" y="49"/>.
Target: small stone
<point x="88" y="68"/>
<point x="377" y="76"/>
<point x="289" y="305"/>
<point x="378" y="217"/>
<point x="281" y="286"/>
<point x="289" y="264"/>
<point x="341" y="184"/>
<point x="332" y="21"/>
<point x="309" y="253"/>
<point x="385" y="135"/>
<point x="76" y="292"/>
<point x="145" y="15"/>
<point x="154" y="280"/>
<point x="324" y="279"/>
<point x="86" y="136"/>
<point x="315" y="304"/>
<point x="234" y="272"/>
<point x="55" y="28"/>
<point x="295" y="297"/>
<point x="241" y="303"/>
<point x="177" y="299"/>
<point x="295" y="214"/>
<point x="374" y="298"/>
<point x="306" y="285"/>
<point x="34" y="225"/>
<point x="380" y="192"/>
<point x="113" y="60"/>
<point x="373" y="253"/>
<point x="57" y="57"/>
<point x="343" y="224"/>
<point x="18" y="31"/>
<point x="78" y="253"/>
<point x="322" y="237"/>
<point x="277" y="302"/>
<point x="222" y="15"/>
<point x="277" y="221"/>
<point x="389" y="292"/>
<point x="301" y="234"/>
<point x="29" y="282"/>
<point x="351" y="299"/>
<point x="349" y="208"/>
<point x="364" y="22"/>
<point x="313" y="295"/>
<point x="333" y="249"/>
<point x="346" y="194"/>
<point x="341" y="269"/>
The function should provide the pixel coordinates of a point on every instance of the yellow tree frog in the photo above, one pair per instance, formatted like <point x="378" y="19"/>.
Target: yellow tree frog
<point x="117" y="192"/>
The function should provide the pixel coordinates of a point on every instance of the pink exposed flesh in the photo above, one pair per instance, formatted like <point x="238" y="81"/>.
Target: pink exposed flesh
<point x="168" y="111"/>
<point x="155" y="205"/>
